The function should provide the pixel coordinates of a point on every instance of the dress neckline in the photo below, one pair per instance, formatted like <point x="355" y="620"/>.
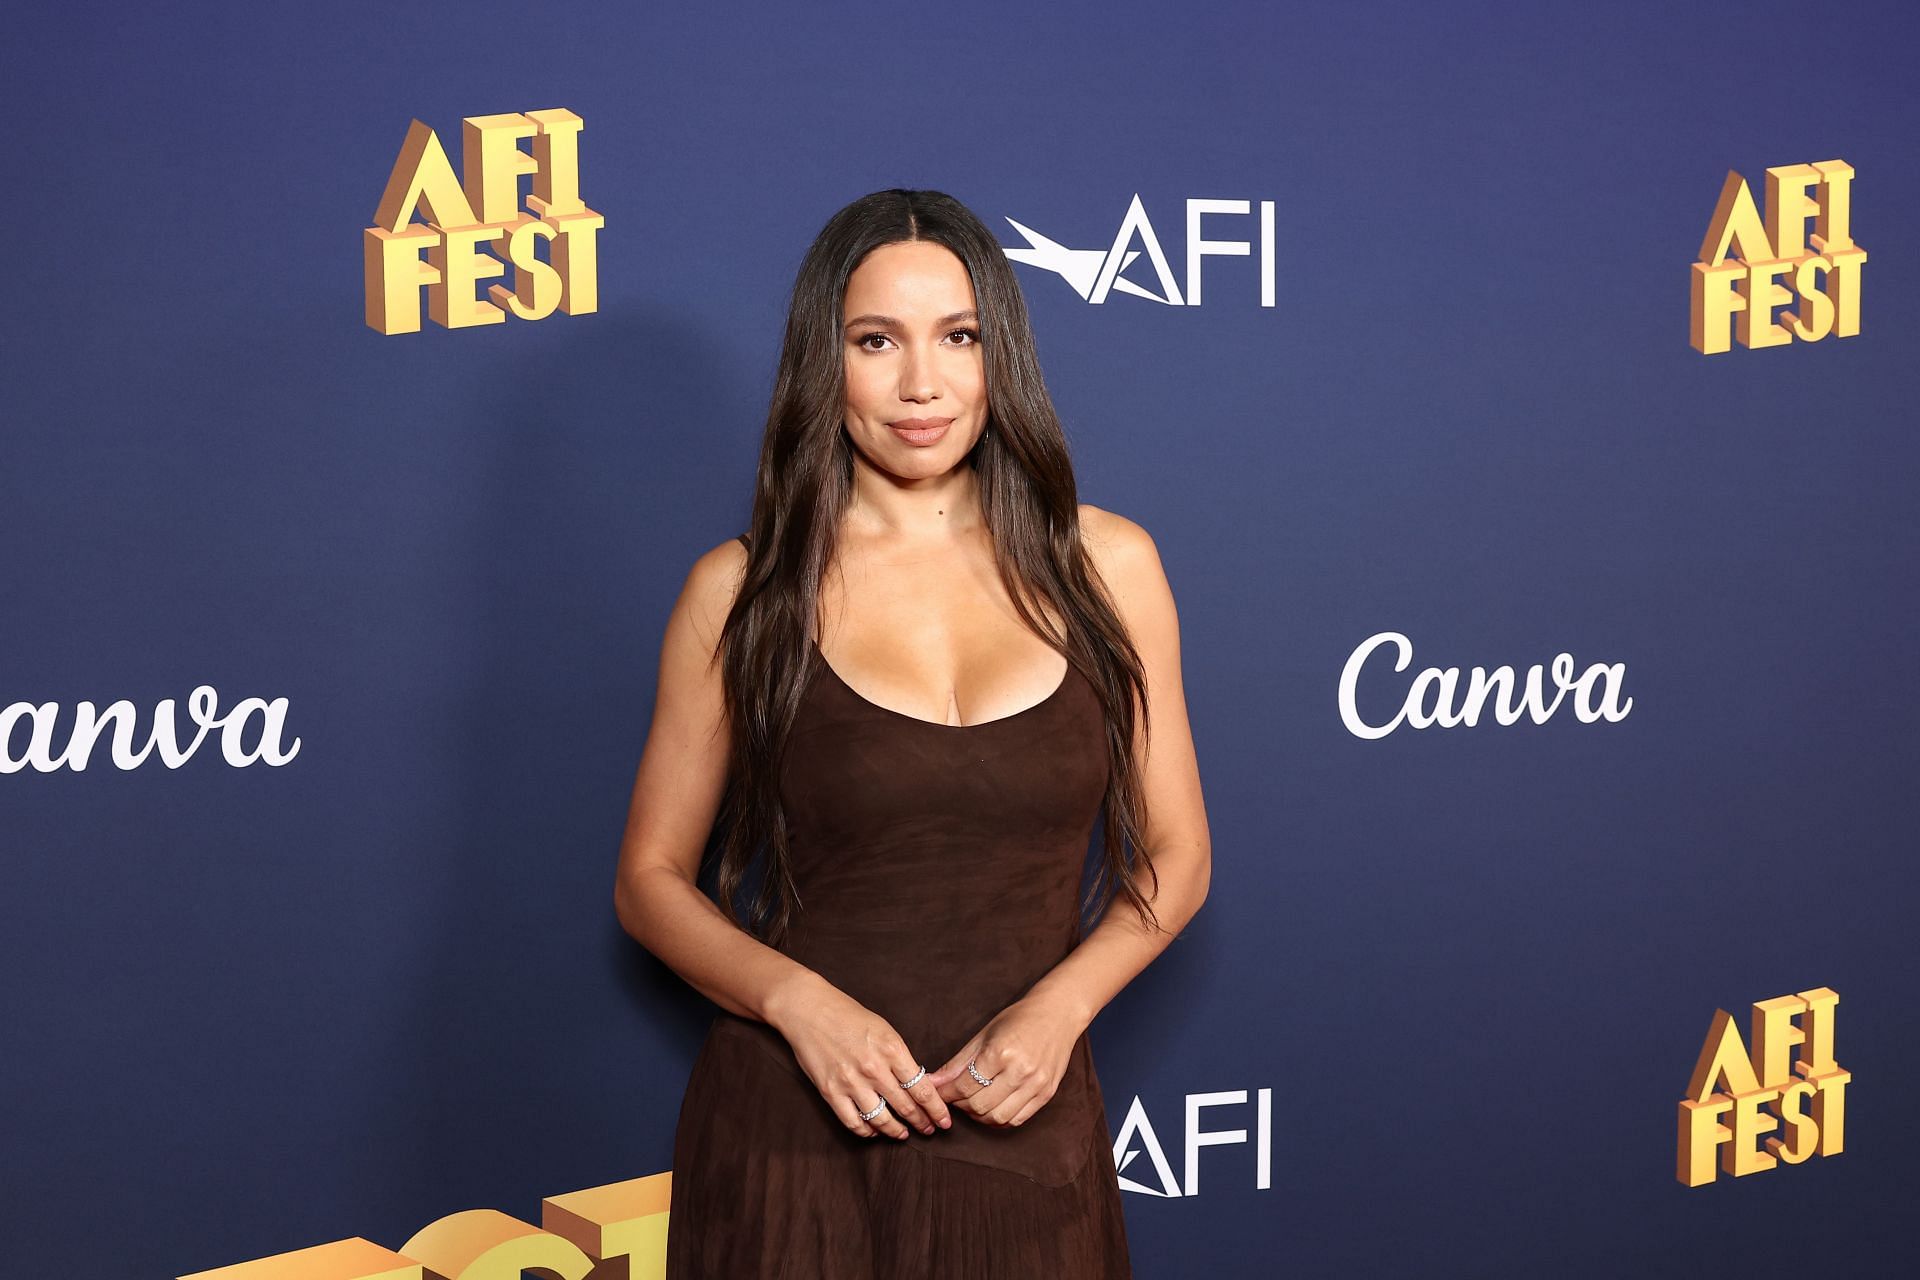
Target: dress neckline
<point x="1058" y="689"/>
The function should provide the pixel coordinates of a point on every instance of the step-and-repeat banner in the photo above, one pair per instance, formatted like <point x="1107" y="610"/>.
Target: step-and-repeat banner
<point x="1520" y="396"/>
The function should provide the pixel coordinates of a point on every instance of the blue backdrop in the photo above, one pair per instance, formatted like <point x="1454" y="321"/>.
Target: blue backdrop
<point x="251" y="1009"/>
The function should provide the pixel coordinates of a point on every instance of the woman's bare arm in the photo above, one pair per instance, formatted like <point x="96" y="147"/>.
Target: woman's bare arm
<point x="851" y="1054"/>
<point x="676" y="796"/>
<point x="1120" y="946"/>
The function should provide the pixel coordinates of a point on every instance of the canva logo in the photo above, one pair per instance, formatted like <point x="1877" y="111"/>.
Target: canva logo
<point x="468" y="224"/>
<point x="1094" y="273"/>
<point x="1758" y="1094"/>
<point x="1138" y="1129"/>
<point x="1435" y="697"/>
<point x="163" y="735"/>
<point x="1821" y="268"/>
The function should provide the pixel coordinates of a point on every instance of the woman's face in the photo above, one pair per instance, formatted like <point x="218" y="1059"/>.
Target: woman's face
<point x="912" y="345"/>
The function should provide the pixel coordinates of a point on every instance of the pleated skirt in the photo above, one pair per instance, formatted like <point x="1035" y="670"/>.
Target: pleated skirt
<point x="768" y="1184"/>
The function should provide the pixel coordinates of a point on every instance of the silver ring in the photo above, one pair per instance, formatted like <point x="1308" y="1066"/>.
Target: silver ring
<point x="878" y="1107"/>
<point x="908" y="1084"/>
<point x="975" y="1074"/>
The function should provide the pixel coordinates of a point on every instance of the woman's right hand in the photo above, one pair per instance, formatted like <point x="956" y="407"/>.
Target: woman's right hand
<point x="855" y="1058"/>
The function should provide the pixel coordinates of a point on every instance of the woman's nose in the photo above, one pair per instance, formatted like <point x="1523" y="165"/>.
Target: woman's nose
<point x="916" y="377"/>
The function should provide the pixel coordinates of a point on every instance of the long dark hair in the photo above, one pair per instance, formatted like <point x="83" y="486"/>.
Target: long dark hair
<point x="804" y="483"/>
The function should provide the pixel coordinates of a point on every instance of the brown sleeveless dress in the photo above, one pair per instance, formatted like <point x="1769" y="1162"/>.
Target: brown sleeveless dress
<point x="939" y="870"/>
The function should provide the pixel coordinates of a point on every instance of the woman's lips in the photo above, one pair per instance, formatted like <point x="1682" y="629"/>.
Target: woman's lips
<point x="920" y="431"/>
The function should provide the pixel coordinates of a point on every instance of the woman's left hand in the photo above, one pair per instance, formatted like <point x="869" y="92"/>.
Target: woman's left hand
<point x="1024" y="1051"/>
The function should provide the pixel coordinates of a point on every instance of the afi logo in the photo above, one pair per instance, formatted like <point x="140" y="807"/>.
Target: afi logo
<point x="468" y="223"/>
<point x="1138" y="1128"/>
<point x="1758" y="1094"/>
<point x="1822" y="266"/>
<point x="1094" y="273"/>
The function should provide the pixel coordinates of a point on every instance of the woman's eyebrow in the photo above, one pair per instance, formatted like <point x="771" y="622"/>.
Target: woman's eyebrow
<point x="892" y="323"/>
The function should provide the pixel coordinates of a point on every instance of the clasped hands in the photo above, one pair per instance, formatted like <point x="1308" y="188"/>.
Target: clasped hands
<point x="855" y="1058"/>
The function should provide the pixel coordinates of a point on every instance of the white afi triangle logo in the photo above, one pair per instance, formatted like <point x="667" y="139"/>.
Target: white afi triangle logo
<point x="1138" y="1129"/>
<point x="1094" y="273"/>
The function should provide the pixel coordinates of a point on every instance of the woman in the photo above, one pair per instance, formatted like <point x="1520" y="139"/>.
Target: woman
<point x="905" y="696"/>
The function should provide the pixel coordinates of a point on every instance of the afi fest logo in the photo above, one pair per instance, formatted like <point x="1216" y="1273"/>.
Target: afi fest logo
<point x="1758" y="1094"/>
<point x="615" y="1230"/>
<point x="1094" y="273"/>
<point x="469" y="223"/>
<point x="1777" y="260"/>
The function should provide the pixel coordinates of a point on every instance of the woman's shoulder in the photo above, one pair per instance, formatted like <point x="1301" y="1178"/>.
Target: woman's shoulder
<point x="1113" y="541"/>
<point x="713" y="580"/>
<point x="1127" y="561"/>
<point x="721" y="562"/>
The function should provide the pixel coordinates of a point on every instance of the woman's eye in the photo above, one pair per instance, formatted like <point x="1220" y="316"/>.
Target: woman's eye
<point x="972" y="337"/>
